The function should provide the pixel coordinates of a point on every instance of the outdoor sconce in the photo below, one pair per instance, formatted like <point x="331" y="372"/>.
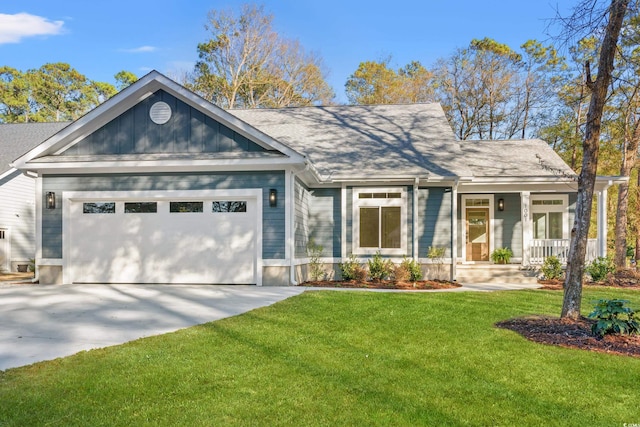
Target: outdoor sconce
<point x="51" y="200"/>
<point x="273" y="198"/>
<point x="500" y="205"/>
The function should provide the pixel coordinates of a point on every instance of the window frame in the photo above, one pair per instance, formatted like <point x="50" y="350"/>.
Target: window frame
<point x="358" y="203"/>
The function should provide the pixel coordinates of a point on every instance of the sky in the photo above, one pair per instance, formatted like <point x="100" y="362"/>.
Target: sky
<point x="101" y="38"/>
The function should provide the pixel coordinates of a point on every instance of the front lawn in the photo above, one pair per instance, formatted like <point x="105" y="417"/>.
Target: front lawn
<point x="340" y="358"/>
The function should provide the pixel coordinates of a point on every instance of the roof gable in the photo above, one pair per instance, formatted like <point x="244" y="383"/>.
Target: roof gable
<point x="18" y="138"/>
<point x="87" y="136"/>
<point x="188" y="130"/>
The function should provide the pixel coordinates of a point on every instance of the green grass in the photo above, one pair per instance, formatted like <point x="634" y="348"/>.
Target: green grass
<point x="339" y="358"/>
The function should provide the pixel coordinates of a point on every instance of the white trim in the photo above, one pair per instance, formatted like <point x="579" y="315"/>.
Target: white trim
<point x="416" y="207"/>
<point x="289" y="223"/>
<point x="527" y="226"/>
<point x="454" y="229"/>
<point x="73" y="196"/>
<point x="50" y="261"/>
<point x="355" y="227"/>
<point x="463" y="219"/>
<point x="601" y="223"/>
<point x="343" y="221"/>
<point x="38" y="208"/>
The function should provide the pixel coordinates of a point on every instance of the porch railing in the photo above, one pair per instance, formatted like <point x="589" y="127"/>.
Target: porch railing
<point x="543" y="248"/>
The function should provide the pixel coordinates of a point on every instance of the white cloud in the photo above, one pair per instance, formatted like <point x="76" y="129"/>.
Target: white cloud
<point x="141" y="49"/>
<point x="13" y="28"/>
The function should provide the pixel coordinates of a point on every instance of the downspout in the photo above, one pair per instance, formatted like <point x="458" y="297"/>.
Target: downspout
<point x="292" y="214"/>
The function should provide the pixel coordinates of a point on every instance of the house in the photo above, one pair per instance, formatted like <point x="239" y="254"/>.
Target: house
<point x="17" y="193"/>
<point x="157" y="185"/>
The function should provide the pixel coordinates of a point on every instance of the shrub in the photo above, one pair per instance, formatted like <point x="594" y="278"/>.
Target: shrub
<point x="501" y="256"/>
<point x="614" y="318"/>
<point x="401" y="273"/>
<point x="352" y="270"/>
<point x="552" y="268"/>
<point x="314" y="252"/>
<point x="436" y="255"/>
<point x="413" y="268"/>
<point x="379" y="268"/>
<point x="599" y="268"/>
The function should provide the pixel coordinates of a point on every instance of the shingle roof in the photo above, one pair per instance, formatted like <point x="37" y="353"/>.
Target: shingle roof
<point x="18" y="138"/>
<point x="514" y="158"/>
<point x="366" y="141"/>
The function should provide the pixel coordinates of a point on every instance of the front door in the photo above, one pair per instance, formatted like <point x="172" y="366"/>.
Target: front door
<point x="477" y="234"/>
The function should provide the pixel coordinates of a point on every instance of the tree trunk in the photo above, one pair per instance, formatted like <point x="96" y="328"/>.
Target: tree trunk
<point x="628" y="162"/>
<point x="591" y="145"/>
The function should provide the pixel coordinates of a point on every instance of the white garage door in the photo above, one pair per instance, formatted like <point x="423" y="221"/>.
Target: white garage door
<point x="162" y="239"/>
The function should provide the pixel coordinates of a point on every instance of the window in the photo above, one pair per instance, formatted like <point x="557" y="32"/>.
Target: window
<point x="550" y="216"/>
<point x="99" y="208"/>
<point x="379" y="221"/>
<point x="180" y="207"/>
<point x="2" y="234"/>
<point x="140" y="207"/>
<point x="229" y="206"/>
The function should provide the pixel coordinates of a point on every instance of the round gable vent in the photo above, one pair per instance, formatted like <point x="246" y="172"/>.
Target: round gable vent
<point x="160" y="113"/>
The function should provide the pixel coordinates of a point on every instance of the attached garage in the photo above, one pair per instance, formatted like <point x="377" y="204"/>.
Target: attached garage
<point x="193" y="237"/>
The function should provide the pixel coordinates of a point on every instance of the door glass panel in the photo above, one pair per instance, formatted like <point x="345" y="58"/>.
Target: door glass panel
<point x="140" y="207"/>
<point x="369" y="227"/>
<point x="98" y="207"/>
<point x="477" y="227"/>
<point x="391" y="227"/>
<point x="555" y="225"/>
<point x="539" y="226"/>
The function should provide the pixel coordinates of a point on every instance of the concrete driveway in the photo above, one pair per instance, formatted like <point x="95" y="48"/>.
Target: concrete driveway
<point x="46" y="322"/>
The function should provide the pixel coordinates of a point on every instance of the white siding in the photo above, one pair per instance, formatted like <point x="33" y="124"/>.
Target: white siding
<point x="17" y="202"/>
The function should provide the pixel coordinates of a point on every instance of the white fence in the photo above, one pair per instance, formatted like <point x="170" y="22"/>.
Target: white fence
<point x="543" y="248"/>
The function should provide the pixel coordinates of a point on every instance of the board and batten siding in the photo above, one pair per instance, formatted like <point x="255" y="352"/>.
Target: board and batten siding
<point x="434" y="220"/>
<point x="187" y="131"/>
<point x="507" y="224"/>
<point x="301" y="220"/>
<point x="17" y="212"/>
<point x="273" y="227"/>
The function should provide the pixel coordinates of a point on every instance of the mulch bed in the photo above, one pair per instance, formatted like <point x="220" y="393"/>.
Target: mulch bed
<point x="626" y="278"/>
<point x="572" y="334"/>
<point x="383" y="284"/>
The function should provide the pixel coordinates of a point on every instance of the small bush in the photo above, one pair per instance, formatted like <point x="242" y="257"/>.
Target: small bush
<point x="401" y="273"/>
<point x="436" y="255"/>
<point x="614" y="318"/>
<point x="501" y="256"/>
<point x="599" y="268"/>
<point x="552" y="268"/>
<point x="352" y="270"/>
<point x="314" y="252"/>
<point x="413" y="267"/>
<point x="379" y="269"/>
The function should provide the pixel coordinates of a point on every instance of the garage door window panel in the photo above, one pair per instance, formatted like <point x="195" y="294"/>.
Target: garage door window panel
<point x="229" y="206"/>
<point x="99" y="208"/>
<point x="185" y="207"/>
<point x="140" y="207"/>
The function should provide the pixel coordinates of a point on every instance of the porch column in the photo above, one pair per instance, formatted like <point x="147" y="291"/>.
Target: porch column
<point x="527" y="227"/>
<point x="602" y="223"/>
<point x="416" y="194"/>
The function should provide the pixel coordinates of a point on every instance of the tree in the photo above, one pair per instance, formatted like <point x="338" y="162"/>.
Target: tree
<point x="14" y="96"/>
<point x="247" y="64"/>
<point x="124" y="79"/>
<point x="586" y="180"/>
<point x="375" y="82"/>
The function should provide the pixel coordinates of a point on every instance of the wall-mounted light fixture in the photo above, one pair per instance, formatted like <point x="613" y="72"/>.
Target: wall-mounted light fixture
<point x="273" y="197"/>
<point x="51" y="200"/>
<point x="500" y="205"/>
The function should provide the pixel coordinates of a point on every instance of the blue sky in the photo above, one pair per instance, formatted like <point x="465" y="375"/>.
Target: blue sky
<point x="101" y="38"/>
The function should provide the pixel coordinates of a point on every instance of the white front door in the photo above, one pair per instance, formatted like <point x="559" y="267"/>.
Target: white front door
<point x="163" y="239"/>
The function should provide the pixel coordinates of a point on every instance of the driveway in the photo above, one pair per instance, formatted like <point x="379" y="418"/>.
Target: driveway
<point x="46" y="322"/>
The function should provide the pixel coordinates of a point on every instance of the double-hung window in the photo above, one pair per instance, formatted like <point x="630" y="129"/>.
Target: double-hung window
<point x="379" y="220"/>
